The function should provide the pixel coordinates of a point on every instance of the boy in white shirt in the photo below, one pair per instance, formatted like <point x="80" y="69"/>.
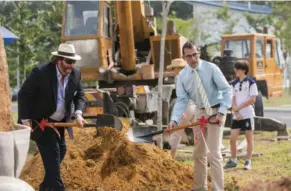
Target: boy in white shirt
<point x="244" y="96"/>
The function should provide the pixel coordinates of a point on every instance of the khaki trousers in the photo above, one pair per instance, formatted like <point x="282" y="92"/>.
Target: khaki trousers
<point x="213" y="138"/>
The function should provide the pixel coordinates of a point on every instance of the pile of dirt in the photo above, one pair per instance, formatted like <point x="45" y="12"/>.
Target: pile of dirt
<point x="6" y="119"/>
<point x="111" y="162"/>
<point x="282" y="184"/>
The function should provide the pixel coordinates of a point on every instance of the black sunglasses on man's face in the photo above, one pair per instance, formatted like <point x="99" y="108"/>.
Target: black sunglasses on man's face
<point x="192" y="55"/>
<point x="69" y="61"/>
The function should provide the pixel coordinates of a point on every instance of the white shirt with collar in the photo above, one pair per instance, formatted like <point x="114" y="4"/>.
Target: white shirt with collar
<point x="242" y="91"/>
<point x="59" y="114"/>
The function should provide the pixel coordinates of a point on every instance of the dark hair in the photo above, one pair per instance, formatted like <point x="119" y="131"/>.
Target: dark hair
<point x="189" y="44"/>
<point x="242" y="66"/>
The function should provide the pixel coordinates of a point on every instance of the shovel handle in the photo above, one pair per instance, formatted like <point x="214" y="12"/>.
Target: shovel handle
<point x="181" y="127"/>
<point x="70" y="125"/>
<point x="63" y="124"/>
<point x="211" y="120"/>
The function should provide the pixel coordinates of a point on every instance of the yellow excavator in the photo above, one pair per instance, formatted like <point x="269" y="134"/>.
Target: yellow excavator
<point x="120" y="52"/>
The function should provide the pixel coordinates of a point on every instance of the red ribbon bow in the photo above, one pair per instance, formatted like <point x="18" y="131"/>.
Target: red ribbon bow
<point x="202" y="121"/>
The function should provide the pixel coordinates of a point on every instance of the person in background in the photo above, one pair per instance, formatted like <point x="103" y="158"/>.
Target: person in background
<point x="50" y="93"/>
<point x="244" y="96"/>
<point x="175" y="138"/>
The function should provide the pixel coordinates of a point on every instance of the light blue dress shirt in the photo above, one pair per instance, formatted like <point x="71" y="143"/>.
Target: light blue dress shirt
<point x="216" y="87"/>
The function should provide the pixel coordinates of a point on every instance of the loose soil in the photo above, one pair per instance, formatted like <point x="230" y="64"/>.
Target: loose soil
<point x="111" y="162"/>
<point x="282" y="184"/>
<point x="6" y="120"/>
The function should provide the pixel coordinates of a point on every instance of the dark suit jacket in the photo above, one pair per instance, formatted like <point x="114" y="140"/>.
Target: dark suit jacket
<point x="37" y="98"/>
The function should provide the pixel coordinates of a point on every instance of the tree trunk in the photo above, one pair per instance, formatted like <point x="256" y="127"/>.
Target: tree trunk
<point x="166" y="8"/>
<point x="6" y="121"/>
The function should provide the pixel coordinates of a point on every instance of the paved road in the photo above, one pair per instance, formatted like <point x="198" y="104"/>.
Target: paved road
<point x="14" y="107"/>
<point x="284" y="116"/>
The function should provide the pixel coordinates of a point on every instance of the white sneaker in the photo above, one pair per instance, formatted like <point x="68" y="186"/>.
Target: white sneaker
<point x="248" y="165"/>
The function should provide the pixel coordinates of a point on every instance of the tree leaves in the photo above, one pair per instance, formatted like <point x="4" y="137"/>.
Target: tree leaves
<point x="38" y="26"/>
<point x="282" y="22"/>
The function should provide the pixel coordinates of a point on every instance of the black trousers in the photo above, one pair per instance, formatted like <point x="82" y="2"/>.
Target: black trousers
<point x="52" y="149"/>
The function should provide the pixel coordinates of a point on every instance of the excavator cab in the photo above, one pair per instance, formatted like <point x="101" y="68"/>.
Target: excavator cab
<point x="87" y="25"/>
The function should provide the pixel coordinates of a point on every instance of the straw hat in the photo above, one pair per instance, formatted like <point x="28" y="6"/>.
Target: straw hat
<point x="177" y="63"/>
<point x="67" y="51"/>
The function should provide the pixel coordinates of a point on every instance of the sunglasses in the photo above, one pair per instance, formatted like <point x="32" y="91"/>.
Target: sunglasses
<point x="69" y="61"/>
<point x="192" y="55"/>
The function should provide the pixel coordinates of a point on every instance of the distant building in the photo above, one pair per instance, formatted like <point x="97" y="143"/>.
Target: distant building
<point x="206" y="12"/>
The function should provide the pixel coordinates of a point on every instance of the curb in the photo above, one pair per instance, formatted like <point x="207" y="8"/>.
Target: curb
<point x="277" y="109"/>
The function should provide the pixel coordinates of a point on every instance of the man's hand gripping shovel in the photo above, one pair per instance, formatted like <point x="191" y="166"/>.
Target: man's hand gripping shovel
<point x="102" y="120"/>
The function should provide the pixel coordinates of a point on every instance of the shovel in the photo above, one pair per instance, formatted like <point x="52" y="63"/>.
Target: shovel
<point x="104" y="120"/>
<point x="202" y="121"/>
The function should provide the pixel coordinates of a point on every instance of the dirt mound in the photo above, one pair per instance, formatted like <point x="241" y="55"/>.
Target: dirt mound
<point x="111" y="162"/>
<point x="282" y="184"/>
<point x="6" y="120"/>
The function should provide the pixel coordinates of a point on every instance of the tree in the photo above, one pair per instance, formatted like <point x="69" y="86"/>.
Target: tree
<point x="166" y="8"/>
<point x="282" y="22"/>
<point x="183" y="10"/>
<point x="38" y="26"/>
<point x="258" y="22"/>
<point x="224" y="15"/>
<point x="183" y="27"/>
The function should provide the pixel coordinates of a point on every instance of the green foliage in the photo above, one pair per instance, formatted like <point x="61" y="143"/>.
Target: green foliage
<point x="258" y="22"/>
<point x="224" y="15"/>
<point x="182" y="9"/>
<point x="38" y="26"/>
<point x="184" y="27"/>
<point x="282" y="21"/>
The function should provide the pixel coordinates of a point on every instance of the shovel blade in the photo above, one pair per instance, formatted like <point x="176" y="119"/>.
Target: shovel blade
<point x="105" y="120"/>
<point x="144" y="134"/>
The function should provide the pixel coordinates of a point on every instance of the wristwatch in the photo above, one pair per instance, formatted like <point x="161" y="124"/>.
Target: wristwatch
<point x="222" y="114"/>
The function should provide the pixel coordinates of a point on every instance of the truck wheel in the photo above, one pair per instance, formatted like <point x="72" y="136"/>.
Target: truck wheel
<point x="259" y="106"/>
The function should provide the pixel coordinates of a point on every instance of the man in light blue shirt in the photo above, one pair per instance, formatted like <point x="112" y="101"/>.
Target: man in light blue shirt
<point x="219" y="95"/>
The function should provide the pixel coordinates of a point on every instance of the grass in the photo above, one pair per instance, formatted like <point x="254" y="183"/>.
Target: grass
<point x="283" y="100"/>
<point x="273" y="164"/>
<point x="15" y="116"/>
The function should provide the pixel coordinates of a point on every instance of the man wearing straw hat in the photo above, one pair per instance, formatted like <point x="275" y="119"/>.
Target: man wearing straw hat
<point x="204" y="83"/>
<point x="51" y="92"/>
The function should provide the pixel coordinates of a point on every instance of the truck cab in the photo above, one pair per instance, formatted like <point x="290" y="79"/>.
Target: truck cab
<point x="261" y="52"/>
